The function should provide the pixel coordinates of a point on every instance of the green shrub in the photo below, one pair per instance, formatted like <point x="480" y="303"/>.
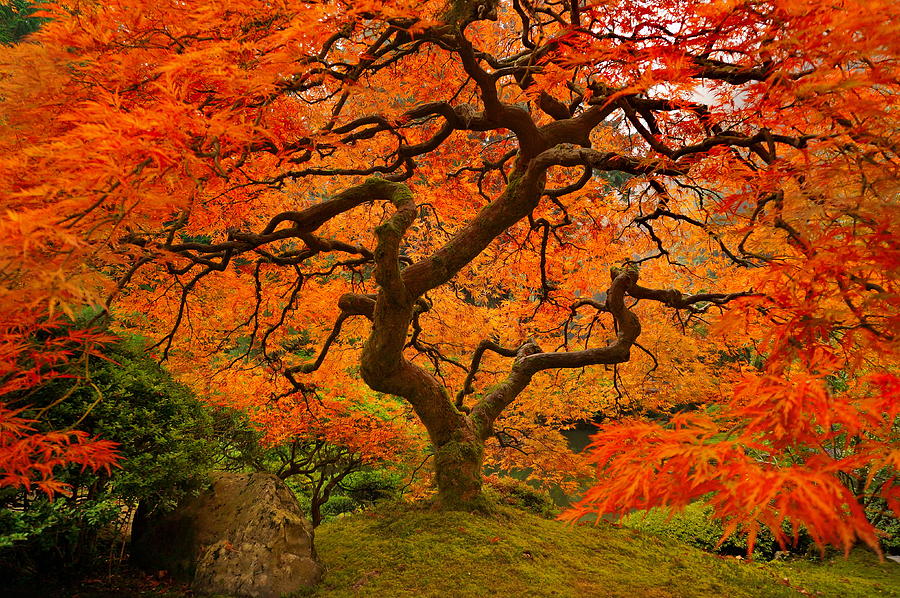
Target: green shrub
<point x="695" y="526"/>
<point x="368" y="486"/>
<point x="300" y="492"/>
<point x="339" y="504"/>
<point x="510" y="491"/>
<point x="16" y="20"/>
<point x="166" y="435"/>
<point x="168" y="441"/>
<point x="889" y="525"/>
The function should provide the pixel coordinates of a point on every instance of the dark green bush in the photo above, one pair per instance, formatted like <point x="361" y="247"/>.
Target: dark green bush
<point x="368" y="486"/>
<point x="695" y="526"/>
<point x="16" y="20"/>
<point x="169" y="441"/>
<point x="516" y="493"/>
<point x="888" y="524"/>
<point x="339" y="504"/>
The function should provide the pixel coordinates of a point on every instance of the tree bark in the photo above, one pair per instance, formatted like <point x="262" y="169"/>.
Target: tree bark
<point x="458" y="468"/>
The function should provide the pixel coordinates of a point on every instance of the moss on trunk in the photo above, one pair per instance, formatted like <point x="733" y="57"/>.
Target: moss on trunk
<point x="458" y="468"/>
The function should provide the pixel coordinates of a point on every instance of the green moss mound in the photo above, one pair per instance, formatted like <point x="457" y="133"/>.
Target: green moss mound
<point x="402" y="551"/>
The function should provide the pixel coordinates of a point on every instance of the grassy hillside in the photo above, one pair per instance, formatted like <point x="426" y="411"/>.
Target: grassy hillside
<point x="397" y="552"/>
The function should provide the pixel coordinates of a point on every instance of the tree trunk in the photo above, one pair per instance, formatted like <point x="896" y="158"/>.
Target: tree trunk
<point x="315" y="510"/>
<point x="458" y="469"/>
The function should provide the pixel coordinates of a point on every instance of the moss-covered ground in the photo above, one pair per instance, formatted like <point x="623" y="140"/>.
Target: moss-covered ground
<point x="398" y="551"/>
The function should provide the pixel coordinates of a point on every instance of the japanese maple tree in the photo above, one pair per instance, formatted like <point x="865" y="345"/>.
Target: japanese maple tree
<point x="467" y="203"/>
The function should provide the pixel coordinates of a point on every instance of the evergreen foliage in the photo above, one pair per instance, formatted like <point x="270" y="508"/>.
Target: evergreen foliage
<point x="17" y="20"/>
<point x="167" y="440"/>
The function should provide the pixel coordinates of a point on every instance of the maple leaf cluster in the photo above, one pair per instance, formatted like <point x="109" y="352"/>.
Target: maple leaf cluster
<point x="34" y="352"/>
<point x="28" y="458"/>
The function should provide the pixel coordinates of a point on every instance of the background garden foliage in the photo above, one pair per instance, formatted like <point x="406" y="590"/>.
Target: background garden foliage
<point x="168" y="442"/>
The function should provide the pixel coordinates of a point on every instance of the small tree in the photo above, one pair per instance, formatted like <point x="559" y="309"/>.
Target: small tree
<point x="324" y="442"/>
<point x="319" y="467"/>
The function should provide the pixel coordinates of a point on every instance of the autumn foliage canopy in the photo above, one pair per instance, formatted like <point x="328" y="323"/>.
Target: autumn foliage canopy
<point x="512" y="215"/>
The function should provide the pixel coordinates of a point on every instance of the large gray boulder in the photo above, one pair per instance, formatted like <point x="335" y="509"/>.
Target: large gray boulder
<point x="244" y="536"/>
